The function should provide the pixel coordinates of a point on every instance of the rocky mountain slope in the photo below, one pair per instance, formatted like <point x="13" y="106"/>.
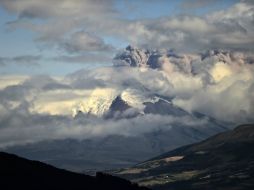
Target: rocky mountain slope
<point x="224" y="161"/>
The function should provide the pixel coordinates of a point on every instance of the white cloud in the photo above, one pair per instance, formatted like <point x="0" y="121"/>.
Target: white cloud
<point x="51" y="8"/>
<point x="23" y="128"/>
<point x="10" y="80"/>
<point x="231" y="28"/>
<point x="218" y="84"/>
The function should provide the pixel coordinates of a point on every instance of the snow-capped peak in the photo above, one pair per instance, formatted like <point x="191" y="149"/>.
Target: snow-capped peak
<point x="134" y="98"/>
<point x="98" y="102"/>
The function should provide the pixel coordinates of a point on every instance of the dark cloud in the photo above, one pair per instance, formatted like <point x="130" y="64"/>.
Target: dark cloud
<point x="251" y="2"/>
<point x="2" y="61"/>
<point x="82" y="42"/>
<point x="88" y="58"/>
<point x="25" y="60"/>
<point x="195" y="4"/>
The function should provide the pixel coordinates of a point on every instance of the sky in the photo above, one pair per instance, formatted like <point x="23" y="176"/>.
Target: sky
<point x="59" y="57"/>
<point x="59" y="37"/>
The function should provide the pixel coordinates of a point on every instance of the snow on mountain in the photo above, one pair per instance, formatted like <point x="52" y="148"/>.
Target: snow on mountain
<point x="98" y="102"/>
<point x="149" y="102"/>
<point x="133" y="79"/>
<point x="104" y="100"/>
<point x="134" y="98"/>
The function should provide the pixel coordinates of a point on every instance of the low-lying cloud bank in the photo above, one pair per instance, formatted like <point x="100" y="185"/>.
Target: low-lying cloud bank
<point x="22" y="128"/>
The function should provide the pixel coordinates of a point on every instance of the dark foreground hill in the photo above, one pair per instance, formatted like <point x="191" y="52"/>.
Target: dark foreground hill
<point x="18" y="173"/>
<point x="222" y="162"/>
